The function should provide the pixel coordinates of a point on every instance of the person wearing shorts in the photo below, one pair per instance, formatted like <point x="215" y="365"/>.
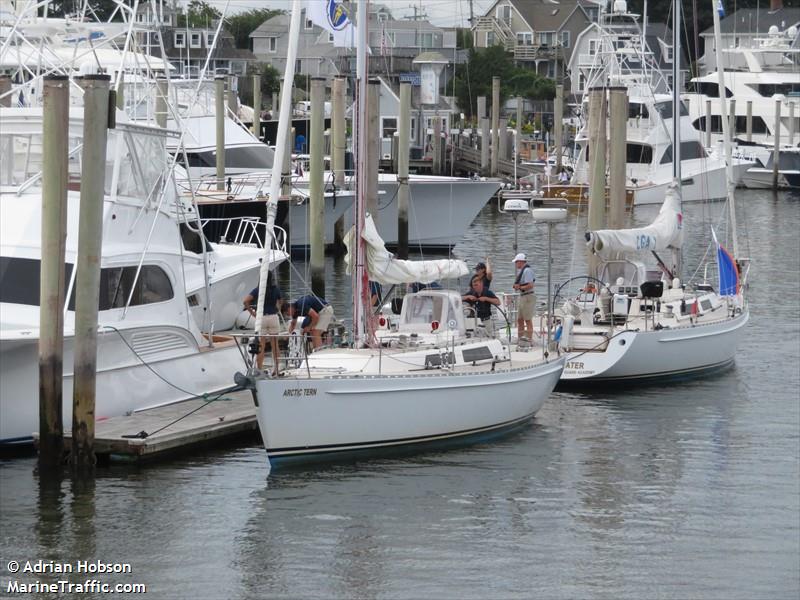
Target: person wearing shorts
<point x="270" y="322"/>
<point x="527" y="299"/>
<point x="318" y="310"/>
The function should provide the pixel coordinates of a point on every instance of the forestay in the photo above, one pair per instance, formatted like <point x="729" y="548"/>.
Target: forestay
<point x="664" y="233"/>
<point x="384" y="268"/>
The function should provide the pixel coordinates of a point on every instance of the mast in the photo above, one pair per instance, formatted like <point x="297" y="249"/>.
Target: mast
<point x="726" y="136"/>
<point x="360" y="273"/>
<point x="676" y="96"/>
<point x="280" y="151"/>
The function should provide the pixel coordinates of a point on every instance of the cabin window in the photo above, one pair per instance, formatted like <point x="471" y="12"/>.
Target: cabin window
<point x="639" y="153"/>
<point x="711" y="90"/>
<point x="770" y="89"/>
<point x="665" y="109"/>
<point x="636" y="110"/>
<point x="179" y="40"/>
<point x="19" y="280"/>
<point x="116" y="283"/>
<point x="689" y="150"/>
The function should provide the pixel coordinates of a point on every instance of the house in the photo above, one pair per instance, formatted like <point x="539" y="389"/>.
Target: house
<point x="187" y="48"/>
<point x="586" y="57"/>
<point x="394" y="45"/>
<point x="539" y="33"/>
<point x="745" y="29"/>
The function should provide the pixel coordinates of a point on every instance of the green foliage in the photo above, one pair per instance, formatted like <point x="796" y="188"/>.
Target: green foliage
<point x="475" y="79"/>
<point x="464" y="39"/>
<point x="200" y="14"/>
<point x="270" y="82"/>
<point x="241" y="25"/>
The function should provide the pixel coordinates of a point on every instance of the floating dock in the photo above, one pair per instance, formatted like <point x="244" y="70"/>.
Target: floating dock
<point x="165" y="431"/>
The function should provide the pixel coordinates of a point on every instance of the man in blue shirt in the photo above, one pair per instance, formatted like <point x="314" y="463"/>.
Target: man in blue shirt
<point x="481" y="299"/>
<point x="317" y="310"/>
<point x="270" y="323"/>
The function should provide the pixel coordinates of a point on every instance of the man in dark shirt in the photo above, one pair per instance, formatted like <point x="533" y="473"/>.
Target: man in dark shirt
<point x="317" y="310"/>
<point x="270" y="323"/>
<point x="482" y="299"/>
<point x="375" y="293"/>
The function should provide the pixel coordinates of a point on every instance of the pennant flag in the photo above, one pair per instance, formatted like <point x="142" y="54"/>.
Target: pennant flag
<point x="728" y="271"/>
<point x="332" y="16"/>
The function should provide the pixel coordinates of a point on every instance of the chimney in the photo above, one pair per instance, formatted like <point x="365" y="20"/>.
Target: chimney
<point x="775" y="5"/>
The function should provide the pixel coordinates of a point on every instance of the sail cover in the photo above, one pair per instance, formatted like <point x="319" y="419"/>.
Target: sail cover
<point x="384" y="268"/>
<point x="665" y="232"/>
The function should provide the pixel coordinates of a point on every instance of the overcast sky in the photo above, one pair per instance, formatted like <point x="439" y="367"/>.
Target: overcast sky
<point x="443" y="13"/>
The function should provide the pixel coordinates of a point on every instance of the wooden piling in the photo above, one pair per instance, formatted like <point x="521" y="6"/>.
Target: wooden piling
<point x="120" y="91"/>
<point x="519" y="117"/>
<point x="436" y="145"/>
<point x="219" y="108"/>
<point x="87" y="282"/>
<point x="162" y="95"/>
<point x="777" y="147"/>
<point x="749" y="123"/>
<point x="5" y="91"/>
<point x="339" y="144"/>
<point x="481" y="108"/>
<point x="257" y="105"/>
<point x="495" y="124"/>
<point x="597" y="166"/>
<point x="233" y="100"/>
<point x="316" y="222"/>
<point x="485" y="143"/>
<point x="404" y="125"/>
<point x="502" y="138"/>
<point x="275" y="106"/>
<point x="373" y="146"/>
<point x="558" y="125"/>
<point x="55" y="149"/>
<point x="618" y="109"/>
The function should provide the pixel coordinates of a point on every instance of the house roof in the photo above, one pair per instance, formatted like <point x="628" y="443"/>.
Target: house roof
<point x="278" y="23"/>
<point x="751" y="20"/>
<point x="544" y="15"/>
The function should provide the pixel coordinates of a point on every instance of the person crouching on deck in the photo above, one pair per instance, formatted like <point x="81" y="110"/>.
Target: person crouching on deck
<point x="317" y="310"/>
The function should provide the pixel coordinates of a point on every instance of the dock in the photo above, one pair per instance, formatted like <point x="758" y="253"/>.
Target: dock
<point x="165" y="431"/>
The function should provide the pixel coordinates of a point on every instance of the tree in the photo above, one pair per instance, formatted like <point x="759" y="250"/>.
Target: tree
<point x="243" y="24"/>
<point x="475" y="79"/>
<point x="270" y="83"/>
<point x="200" y="14"/>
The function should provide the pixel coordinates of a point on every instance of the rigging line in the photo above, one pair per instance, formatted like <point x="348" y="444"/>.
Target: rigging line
<point x="207" y="401"/>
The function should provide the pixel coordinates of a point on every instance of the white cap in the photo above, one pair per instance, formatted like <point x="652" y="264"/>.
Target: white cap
<point x="520" y="256"/>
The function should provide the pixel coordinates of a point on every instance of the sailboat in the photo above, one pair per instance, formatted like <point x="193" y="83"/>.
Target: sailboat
<point x="425" y="383"/>
<point x="634" y="323"/>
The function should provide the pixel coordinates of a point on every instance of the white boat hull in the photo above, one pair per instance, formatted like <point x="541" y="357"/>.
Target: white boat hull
<point x="697" y="186"/>
<point x="124" y="384"/>
<point x="440" y="210"/>
<point x="640" y="355"/>
<point x="310" y="419"/>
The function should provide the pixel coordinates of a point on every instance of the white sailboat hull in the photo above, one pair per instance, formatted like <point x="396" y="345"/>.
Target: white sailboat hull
<point x="699" y="184"/>
<point x="640" y="355"/>
<point x="124" y="383"/>
<point x="303" y="420"/>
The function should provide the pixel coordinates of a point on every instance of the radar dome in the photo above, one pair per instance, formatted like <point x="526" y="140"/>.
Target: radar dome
<point x="620" y="6"/>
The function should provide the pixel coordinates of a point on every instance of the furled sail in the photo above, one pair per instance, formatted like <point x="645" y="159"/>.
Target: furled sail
<point x="384" y="268"/>
<point x="665" y="232"/>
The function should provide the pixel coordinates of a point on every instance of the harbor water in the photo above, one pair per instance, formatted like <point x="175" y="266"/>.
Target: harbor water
<point x="687" y="489"/>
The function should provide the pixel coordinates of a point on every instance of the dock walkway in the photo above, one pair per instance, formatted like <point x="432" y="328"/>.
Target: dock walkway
<point x="175" y="428"/>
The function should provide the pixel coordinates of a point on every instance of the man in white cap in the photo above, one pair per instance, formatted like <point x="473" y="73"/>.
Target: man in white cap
<point x="527" y="299"/>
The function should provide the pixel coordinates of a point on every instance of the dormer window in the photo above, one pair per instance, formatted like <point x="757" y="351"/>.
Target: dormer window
<point x="179" y="41"/>
<point x="309" y="24"/>
<point x="209" y="39"/>
<point x="195" y="40"/>
<point x="667" y="53"/>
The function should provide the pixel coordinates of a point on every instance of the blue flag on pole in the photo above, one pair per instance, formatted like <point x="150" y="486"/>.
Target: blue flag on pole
<point x="728" y="271"/>
<point x="720" y="9"/>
